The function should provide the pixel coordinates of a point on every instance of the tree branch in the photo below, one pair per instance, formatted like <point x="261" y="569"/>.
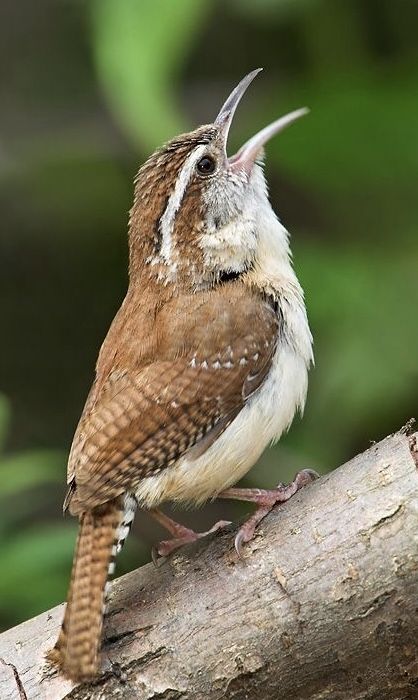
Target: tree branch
<point x="324" y="605"/>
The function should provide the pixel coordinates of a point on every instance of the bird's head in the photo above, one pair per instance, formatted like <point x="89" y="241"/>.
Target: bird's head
<point x="197" y="212"/>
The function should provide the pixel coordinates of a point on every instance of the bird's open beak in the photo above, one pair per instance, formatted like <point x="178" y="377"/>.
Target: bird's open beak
<point x="247" y="154"/>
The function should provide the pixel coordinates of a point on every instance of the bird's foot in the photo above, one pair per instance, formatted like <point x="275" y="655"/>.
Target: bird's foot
<point x="265" y="499"/>
<point x="181" y="534"/>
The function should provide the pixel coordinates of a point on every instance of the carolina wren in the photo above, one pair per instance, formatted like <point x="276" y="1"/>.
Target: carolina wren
<point x="204" y="365"/>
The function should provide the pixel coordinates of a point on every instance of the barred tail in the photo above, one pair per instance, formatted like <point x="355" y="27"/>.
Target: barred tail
<point x="101" y="535"/>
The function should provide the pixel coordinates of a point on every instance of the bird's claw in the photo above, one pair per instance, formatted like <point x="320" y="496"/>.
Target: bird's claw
<point x="267" y="500"/>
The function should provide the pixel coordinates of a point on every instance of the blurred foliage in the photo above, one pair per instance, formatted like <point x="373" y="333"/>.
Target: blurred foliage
<point x="87" y="91"/>
<point x="30" y="555"/>
<point x="139" y="58"/>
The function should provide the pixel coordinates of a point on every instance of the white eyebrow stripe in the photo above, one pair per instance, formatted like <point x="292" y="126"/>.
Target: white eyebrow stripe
<point x="166" y="224"/>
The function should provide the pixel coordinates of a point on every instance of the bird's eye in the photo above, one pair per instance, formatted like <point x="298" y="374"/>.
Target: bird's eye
<point x="206" y="166"/>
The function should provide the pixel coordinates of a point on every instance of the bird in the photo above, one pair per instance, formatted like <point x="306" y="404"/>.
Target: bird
<point x="204" y="365"/>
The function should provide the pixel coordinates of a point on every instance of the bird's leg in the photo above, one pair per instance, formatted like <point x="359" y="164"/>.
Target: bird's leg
<point x="265" y="499"/>
<point x="180" y="533"/>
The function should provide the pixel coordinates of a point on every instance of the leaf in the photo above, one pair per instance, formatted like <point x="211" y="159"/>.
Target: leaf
<point x="139" y="48"/>
<point x="25" y="470"/>
<point x="35" y="570"/>
<point x="360" y="133"/>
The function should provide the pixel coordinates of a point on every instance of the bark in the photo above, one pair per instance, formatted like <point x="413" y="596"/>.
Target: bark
<point x="323" y="606"/>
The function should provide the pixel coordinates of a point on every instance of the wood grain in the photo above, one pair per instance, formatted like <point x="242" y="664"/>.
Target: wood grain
<point x="324" y="605"/>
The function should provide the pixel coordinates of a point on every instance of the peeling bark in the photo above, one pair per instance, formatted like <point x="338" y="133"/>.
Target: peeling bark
<point x="323" y="606"/>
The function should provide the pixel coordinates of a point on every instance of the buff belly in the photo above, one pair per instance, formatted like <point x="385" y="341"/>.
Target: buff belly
<point x="267" y="414"/>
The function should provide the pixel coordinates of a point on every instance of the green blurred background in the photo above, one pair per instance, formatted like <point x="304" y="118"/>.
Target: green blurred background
<point x="87" y="90"/>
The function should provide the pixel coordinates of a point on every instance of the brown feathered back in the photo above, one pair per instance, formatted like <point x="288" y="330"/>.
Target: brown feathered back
<point x="147" y="409"/>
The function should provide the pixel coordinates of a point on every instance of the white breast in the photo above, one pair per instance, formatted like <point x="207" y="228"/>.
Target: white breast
<point x="270" y="410"/>
<point x="264" y="418"/>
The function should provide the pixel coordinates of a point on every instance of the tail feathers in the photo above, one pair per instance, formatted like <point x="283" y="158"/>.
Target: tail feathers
<point x="130" y="505"/>
<point x="76" y="652"/>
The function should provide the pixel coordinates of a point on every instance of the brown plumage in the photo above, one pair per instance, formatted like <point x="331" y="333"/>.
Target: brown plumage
<point x="150" y="410"/>
<point x="141" y="417"/>
<point x="83" y="619"/>
<point x="193" y="362"/>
